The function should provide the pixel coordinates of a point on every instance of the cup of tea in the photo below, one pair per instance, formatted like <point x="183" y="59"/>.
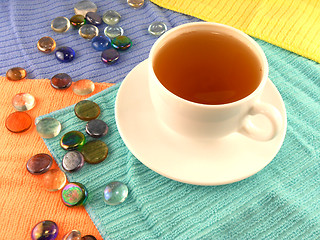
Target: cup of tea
<point x="206" y="81"/>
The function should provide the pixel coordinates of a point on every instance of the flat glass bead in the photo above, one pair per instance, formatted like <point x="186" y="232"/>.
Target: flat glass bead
<point x="61" y="81"/>
<point x="18" y="122"/>
<point x="72" y="161"/>
<point x="83" y="7"/>
<point x="88" y="31"/>
<point x="88" y="237"/>
<point x="115" y="193"/>
<point x="87" y="110"/>
<point x="121" y="43"/>
<point x="74" y="194"/>
<point x="111" y="17"/>
<point x="72" y="235"/>
<point x="101" y="43"/>
<point x="110" y="56"/>
<point x="23" y="101"/>
<point x="16" y="74"/>
<point x="96" y="128"/>
<point x="77" y="21"/>
<point x="94" y="151"/>
<point x="39" y="163"/>
<point x="48" y="127"/>
<point x="65" y="54"/>
<point x="93" y="18"/>
<point x="135" y="3"/>
<point x="53" y="180"/>
<point x="60" y="24"/>
<point x="46" y="45"/>
<point x="45" y="230"/>
<point x="157" y="28"/>
<point x="113" y="31"/>
<point x="72" y="140"/>
<point x="83" y="87"/>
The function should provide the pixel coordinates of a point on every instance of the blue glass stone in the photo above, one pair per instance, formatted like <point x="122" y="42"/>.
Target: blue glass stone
<point x="115" y="193"/>
<point x="65" y="54"/>
<point x="97" y="128"/>
<point x="101" y="43"/>
<point x="45" y="230"/>
<point x="111" y="17"/>
<point x="72" y="161"/>
<point x="93" y="18"/>
<point x="110" y="56"/>
<point x="121" y="43"/>
<point x="157" y="28"/>
<point x="113" y="31"/>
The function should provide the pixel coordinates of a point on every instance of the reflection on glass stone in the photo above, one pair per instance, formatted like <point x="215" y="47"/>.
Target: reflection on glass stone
<point x="53" y="180"/>
<point x="39" y="163"/>
<point x="74" y="194"/>
<point x="94" y="151"/>
<point x="121" y="43"/>
<point x="88" y="237"/>
<point x="157" y="28"/>
<point x="83" y="87"/>
<point x="16" y="74"/>
<point x="88" y="31"/>
<point x="48" y="127"/>
<point x="72" y="140"/>
<point x="60" y="24"/>
<point x="135" y="3"/>
<point x="65" y="54"/>
<point x="87" y="110"/>
<point x="111" y="17"/>
<point x="101" y="43"/>
<point x="61" y="81"/>
<point x="93" y="18"/>
<point x="83" y="7"/>
<point x="72" y="235"/>
<point x="110" y="56"/>
<point x="113" y="31"/>
<point x="18" y="122"/>
<point x="77" y="21"/>
<point x="46" y="45"/>
<point x="72" y="161"/>
<point x="96" y="128"/>
<point x="45" y="230"/>
<point x="115" y="193"/>
<point x="23" y="101"/>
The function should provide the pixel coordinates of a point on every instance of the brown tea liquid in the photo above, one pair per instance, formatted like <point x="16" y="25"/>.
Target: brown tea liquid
<point x="208" y="68"/>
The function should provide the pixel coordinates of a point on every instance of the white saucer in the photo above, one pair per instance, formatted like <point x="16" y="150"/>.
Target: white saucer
<point x="205" y="162"/>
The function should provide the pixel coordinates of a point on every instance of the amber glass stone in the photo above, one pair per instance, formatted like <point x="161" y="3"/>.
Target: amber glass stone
<point x="16" y="74"/>
<point x="39" y="163"/>
<point x="135" y="3"/>
<point x="94" y="151"/>
<point x="46" y="44"/>
<point x="18" y="122"/>
<point x="77" y="21"/>
<point x="83" y="87"/>
<point x="53" y="180"/>
<point x="88" y="237"/>
<point x="23" y="101"/>
<point x="61" y="81"/>
<point x="87" y="110"/>
<point x="72" y="140"/>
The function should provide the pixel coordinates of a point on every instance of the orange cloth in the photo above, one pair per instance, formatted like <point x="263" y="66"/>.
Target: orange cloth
<point x="23" y="203"/>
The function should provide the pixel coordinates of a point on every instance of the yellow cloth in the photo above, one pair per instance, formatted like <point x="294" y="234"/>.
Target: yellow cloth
<point x="293" y="25"/>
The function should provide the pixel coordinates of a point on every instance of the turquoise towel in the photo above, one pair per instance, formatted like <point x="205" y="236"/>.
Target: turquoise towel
<point x="279" y="202"/>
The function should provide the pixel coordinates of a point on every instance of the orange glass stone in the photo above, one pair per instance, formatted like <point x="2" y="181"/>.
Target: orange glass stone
<point x="53" y="180"/>
<point x="46" y="45"/>
<point x="16" y="74"/>
<point x="18" y="122"/>
<point x="83" y="87"/>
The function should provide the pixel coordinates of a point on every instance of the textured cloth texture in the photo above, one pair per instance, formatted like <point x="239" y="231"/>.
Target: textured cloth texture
<point x="279" y="202"/>
<point x="24" y="202"/>
<point x="293" y="25"/>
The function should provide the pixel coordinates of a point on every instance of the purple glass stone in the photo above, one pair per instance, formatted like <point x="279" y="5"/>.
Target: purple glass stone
<point x="45" y="230"/>
<point x="93" y="18"/>
<point x="39" y="163"/>
<point x="97" y="128"/>
<point x="110" y="56"/>
<point x="65" y="54"/>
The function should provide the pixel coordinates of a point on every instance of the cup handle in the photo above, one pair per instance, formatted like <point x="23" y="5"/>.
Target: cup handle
<point x="250" y="130"/>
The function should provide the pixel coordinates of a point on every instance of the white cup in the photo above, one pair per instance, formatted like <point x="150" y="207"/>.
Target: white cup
<point x="212" y="121"/>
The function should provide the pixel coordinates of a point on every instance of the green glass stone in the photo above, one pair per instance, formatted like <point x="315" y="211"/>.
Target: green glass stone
<point x="111" y="17"/>
<point x="72" y="140"/>
<point x="115" y="193"/>
<point x="48" y="127"/>
<point x="94" y="151"/>
<point x="121" y="43"/>
<point x="87" y="110"/>
<point x="74" y="194"/>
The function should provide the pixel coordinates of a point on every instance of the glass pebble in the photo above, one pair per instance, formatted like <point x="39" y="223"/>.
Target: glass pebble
<point x="101" y="43"/>
<point x="77" y="21"/>
<point x="88" y="237"/>
<point x="88" y="31"/>
<point x="121" y="43"/>
<point x="39" y="163"/>
<point x="110" y="56"/>
<point x="72" y="235"/>
<point x="87" y="110"/>
<point x="83" y="7"/>
<point x="94" y="151"/>
<point x="113" y="31"/>
<point x="115" y="193"/>
<point x="46" y="45"/>
<point x="61" y="81"/>
<point x="53" y="180"/>
<point x="45" y="230"/>
<point x="60" y="24"/>
<point x="111" y="17"/>
<point x="74" y="194"/>
<point x="72" y="161"/>
<point x="83" y="87"/>
<point x="18" y="122"/>
<point x="157" y="28"/>
<point x="23" y="101"/>
<point x="48" y="127"/>
<point x="72" y="140"/>
<point x="96" y="128"/>
<point x="16" y="74"/>
<point x="65" y="54"/>
<point x="135" y="3"/>
<point x="93" y="18"/>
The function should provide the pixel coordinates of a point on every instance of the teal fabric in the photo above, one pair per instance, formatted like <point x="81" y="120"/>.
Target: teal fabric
<point x="279" y="202"/>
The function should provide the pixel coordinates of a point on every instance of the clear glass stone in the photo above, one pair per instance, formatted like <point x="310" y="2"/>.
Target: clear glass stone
<point x="111" y="17"/>
<point x="157" y="28"/>
<point x="48" y="127"/>
<point x="23" y="102"/>
<point x="53" y="180"/>
<point x="83" y="7"/>
<point x="88" y="31"/>
<point x="113" y="31"/>
<point x="60" y="24"/>
<point x="115" y="193"/>
<point x="135" y="3"/>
